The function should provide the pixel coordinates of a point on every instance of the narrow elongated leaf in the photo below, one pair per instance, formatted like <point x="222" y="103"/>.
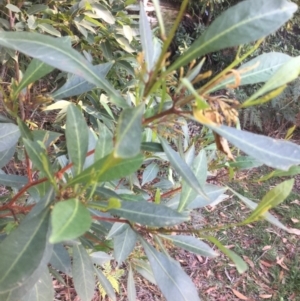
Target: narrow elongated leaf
<point x="16" y="261"/>
<point x="191" y="244"/>
<point x="83" y="273"/>
<point x="238" y="261"/>
<point x="182" y="168"/>
<point x="144" y="269"/>
<point x="129" y="133"/>
<point x="106" y="285"/>
<point x="13" y="181"/>
<point x="151" y="147"/>
<point x="36" y="8"/>
<point x="131" y="291"/>
<point x="267" y="216"/>
<point x="149" y="214"/>
<point x="188" y="194"/>
<point x="150" y="173"/>
<point x="61" y="260"/>
<point x="293" y="171"/>
<point x="124" y="244"/>
<point x="70" y="219"/>
<point x="9" y="136"/>
<point x="42" y="290"/>
<point x="102" y="12"/>
<point x="243" y="23"/>
<point x="57" y="52"/>
<point x="116" y="229"/>
<point x="104" y="144"/>
<point x="174" y="283"/>
<point x="273" y="198"/>
<point x="77" y="137"/>
<point x="100" y="257"/>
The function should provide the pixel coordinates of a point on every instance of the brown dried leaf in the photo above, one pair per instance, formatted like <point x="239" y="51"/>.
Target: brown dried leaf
<point x="223" y="146"/>
<point x="239" y="295"/>
<point x="265" y="296"/>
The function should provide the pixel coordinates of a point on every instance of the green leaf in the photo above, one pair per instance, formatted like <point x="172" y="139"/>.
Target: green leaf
<point x="77" y="85"/>
<point x="146" y="38"/>
<point x="57" y="52"/>
<point x="293" y="171"/>
<point x="24" y="129"/>
<point x="61" y="260"/>
<point x="238" y="261"/>
<point x="252" y="205"/>
<point x="144" y="269"/>
<point x="13" y="181"/>
<point x="47" y="137"/>
<point x="150" y="173"/>
<point x="108" y="169"/>
<point x="116" y="229"/>
<point x="36" y="8"/>
<point x="6" y="155"/>
<point x="257" y="70"/>
<point x="273" y="198"/>
<point x="131" y="291"/>
<point x="42" y="290"/>
<point x="129" y="133"/>
<point x="9" y="136"/>
<point x="106" y="285"/>
<point x="49" y="29"/>
<point x="152" y="147"/>
<point x="191" y="244"/>
<point x="13" y="8"/>
<point x="69" y="219"/>
<point x="105" y="142"/>
<point x="124" y="244"/>
<point x="182" y="168"/>
<point x="77" y="137"/>
<point x="188" y="194"/>
<point x="174" y="283"/>
<point x="149" y="214"/>
<point x="243" y="23"/>
<point x="83" y="273"/>
<point x="16" y="261"/>
<point x="244" y="162"/>
<point x="100" y="257"/>
<point x="103" y="13"/>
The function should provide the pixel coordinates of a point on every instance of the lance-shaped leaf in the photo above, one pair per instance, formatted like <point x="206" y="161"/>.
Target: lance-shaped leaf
<point x="257" y="70"/>
<point x="76" y="84"/>
<point x="152" y="147"/>
<point x="61" y="260"/>
<point x="267" y="216"/>
<point x="238" y="261"/>
<point x="150" y="173"/>
<point x="144" y="269"/>
<point x="108" y="169"/>
<point x="83" y="273"/>
<point x="35" y="70"/>
<point x="124" y="244"/>
<point x="6" y="155"/>
<point x="69" y="219"/>
<point x="293" y="171"/>
<point x="129" y="133"/>
<point x="192" y="244"/>
<point x="273" y="198"/>
<point x="42" y="290"/>
<point x="104" y="144"/>
<point x="16" y="261"/>
<point x="9" y="136"/>
<point x="131" y="290"/>
<point x="100" y="257"/>
<point x="182" y="168"/>
<point x="149" y="214"/>
<point x="174" y="283"/>
<point x="57" y="52"/>
<point x="243" y="23"/>
<point x="116" y="229"/>
<point x="77" y="137"/>
<point x="106" y="285"/>
<point x="188" y="194"/>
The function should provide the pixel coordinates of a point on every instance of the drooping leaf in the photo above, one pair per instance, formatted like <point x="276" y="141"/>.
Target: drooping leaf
<point x="77" y="137"/>
<point x="83" y="273"/>
<point x="124" y="244"/>
<point x="61" y="260"/>
<point x="150" y="173"/>
<point x="9" y="135"/>
<point x="243" y="23"/>
<point x="182" y="168"/>
<point x="69" y="219"/>
<point x="16" y="261"/>
<point x="131" y="290"/>
<point x="192" y="244"/>
<point x="129" y="133"/>
<point x="170" y="278"/>
<point x="154" y="215"/>
<point x="106" y="285"/>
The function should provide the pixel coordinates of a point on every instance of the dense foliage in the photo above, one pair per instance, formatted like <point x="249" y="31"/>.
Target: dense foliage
<point x="117" y="170"/>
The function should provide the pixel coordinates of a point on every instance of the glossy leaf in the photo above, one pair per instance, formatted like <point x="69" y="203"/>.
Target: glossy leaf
<point x="149" y="214"/>
<point x="199" y="168"/>
<point x="238" y="261"/>
<point x="129" y="133"/>
<point x="182" y="168"/>
<point x="16" y="261"/>
<point x="243" y="23"/>
<point x="6" y="155"/>
<point x="57" y="52"/>
<point x="106" y="285"/>
<point x="69" y="219"/>
<point x="124" y="244"/>
<point x="77" y="137"/>
<point x="150" y="173"/>
<point x="83" y="273"/>
<point x="192" y="244"/>
<point x="100" y="257"/>
<point x="9" y="136"/>
<point x="174" y="283"/>
<point x="61" y="260"/>
<point x="131" y="291"/>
